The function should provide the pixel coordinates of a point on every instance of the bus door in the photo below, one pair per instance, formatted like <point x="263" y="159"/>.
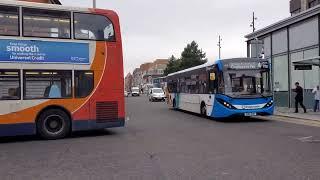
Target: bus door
<point x="212" y="89"/>
<point x="212" y="76"/>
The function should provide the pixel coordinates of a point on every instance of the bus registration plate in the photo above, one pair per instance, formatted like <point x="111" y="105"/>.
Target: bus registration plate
<point x="250" y="114"/>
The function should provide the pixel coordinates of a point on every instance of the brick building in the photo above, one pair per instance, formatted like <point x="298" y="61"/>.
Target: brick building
<point x="128" y="82"/>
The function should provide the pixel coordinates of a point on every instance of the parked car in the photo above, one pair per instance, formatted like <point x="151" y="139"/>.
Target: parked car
<point x="126" y="94"/>
<point x="135" y="91"/>
<point x="156" y="94"/>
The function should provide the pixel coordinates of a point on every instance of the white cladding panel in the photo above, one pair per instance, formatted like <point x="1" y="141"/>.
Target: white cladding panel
<point x="192" y="102"/>
<point x="280" y="41"/>
<point x="304" y="34"/>
<point x="267" y="46"/>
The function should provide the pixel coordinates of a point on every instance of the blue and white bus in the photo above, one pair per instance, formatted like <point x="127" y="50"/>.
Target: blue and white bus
<point x="226" y="88"/>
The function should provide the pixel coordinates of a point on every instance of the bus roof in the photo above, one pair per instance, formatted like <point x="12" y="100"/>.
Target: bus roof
<point x="42" y="5"/>
<point x="214" y="63"/>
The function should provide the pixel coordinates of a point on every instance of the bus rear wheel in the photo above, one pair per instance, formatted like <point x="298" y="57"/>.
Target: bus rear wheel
<point x="53" y="124"/>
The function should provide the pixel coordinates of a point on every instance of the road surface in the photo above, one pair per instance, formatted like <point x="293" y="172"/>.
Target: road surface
<point x="163" y="144"/>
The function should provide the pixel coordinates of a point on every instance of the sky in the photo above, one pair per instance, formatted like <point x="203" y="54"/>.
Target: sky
<point x="158" y="29"/>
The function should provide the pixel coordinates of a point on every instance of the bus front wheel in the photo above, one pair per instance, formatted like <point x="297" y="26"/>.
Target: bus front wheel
<point x="53" y="124"/>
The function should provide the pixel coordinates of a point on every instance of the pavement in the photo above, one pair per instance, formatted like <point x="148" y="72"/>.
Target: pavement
<point x="289" y="113"/>
<point x="162" y="144"/>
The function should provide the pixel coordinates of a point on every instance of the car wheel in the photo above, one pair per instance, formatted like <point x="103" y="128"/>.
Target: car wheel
<point x="53" y="124"/>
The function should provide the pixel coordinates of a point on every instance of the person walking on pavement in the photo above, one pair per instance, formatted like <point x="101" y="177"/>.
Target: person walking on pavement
<point x="316" y="92"/>
<point x="299" y="98"/>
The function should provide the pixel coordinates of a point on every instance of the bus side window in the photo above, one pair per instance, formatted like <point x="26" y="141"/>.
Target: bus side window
<point x="44" y="84"/>
<point x="9" y="85"/>
<point x="46" y="23"/>
<point x="9" y="21"/>
<point x="84" y="83"/>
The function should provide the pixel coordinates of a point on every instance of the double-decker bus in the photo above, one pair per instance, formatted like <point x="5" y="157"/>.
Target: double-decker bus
<point x="226" y="88"/>
<point x="61" y="70"/>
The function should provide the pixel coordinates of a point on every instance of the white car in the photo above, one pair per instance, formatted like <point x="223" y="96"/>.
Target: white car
<point x="135" y="91"/>
<point x="156" y="94"/>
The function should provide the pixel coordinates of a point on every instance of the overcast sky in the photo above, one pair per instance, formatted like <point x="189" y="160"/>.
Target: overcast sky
<point x="157" y="29"/>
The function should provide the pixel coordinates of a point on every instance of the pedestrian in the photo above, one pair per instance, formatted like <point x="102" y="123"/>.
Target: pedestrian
<point x="316" y="92"/>
<point x="299" y="98"/>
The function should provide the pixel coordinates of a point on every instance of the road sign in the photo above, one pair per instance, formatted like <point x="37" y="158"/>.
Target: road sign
<point x="303" y="67"/>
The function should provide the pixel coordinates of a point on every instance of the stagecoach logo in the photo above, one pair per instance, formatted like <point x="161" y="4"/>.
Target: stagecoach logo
<point x="250" y="107"/>
<point x="43" y="51"/>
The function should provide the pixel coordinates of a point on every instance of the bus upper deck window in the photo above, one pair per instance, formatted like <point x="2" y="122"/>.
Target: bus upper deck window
<point x="93" y="27"/>
<point x="9" y="21"/>
<point x="46" y="23"/>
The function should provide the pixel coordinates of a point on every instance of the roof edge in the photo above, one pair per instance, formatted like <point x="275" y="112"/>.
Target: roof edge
<point x="285" y="22"/>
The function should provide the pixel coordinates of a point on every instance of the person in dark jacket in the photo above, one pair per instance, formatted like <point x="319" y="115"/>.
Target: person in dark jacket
<point x="299" y="98"/>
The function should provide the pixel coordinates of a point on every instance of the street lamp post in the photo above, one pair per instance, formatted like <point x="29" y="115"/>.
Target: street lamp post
<point x="254" y="18"/>
<point x="219" y="46"/>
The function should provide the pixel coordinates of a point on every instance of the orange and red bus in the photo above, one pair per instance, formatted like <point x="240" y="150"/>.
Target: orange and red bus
<point x="61" y="70"/>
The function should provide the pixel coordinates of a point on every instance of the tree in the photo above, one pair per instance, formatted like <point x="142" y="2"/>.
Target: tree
<point x="173" y="65"/>
<point x="192" y="56"/>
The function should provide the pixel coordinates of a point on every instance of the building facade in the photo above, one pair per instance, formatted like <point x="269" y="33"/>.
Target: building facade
<point x="144" y="76"/>
<point x="156" y="70"/>
<point x="298" y="6"/>
<point x="128" y="82"/>
<point x="137" y="78"/>
<point x="285" y="44"/>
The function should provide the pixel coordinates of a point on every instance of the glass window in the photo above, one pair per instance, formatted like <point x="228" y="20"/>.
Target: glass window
<point x="313" y="3"/>
<point x="9" y="21"/>
<point x="9" y="85"/>
<point x="157" y="91"/>
<point x="172" y="86"/>
<point x="46" y="23"/>
<point x="93" y="27"/>
<point x="47" y="84"/>
<point x="254" y="82"/>
<point x="84" y="82"/>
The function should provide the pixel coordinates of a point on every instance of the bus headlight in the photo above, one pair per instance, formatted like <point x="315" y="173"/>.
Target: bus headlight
<point x="225" y="104"/>
<point x="269" y="104"/>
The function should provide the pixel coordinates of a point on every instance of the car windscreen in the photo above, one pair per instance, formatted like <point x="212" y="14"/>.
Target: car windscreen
<point x="157" y="91"/>
<point x="244" y="82"/>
